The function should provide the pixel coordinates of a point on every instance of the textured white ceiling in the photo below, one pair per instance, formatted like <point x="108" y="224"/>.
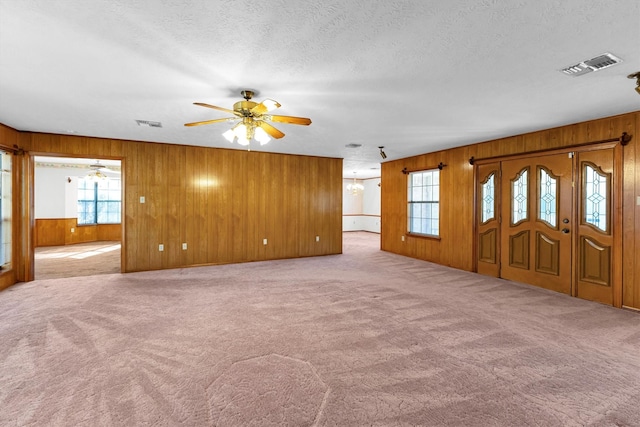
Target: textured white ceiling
<point x="414" y="76"/>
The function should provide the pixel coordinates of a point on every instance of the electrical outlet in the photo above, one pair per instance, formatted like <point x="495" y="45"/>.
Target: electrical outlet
<point x="402" y="238"/>
<point x="317" y="238"/>
<point x="141" y="199"/>
<point x="73" y="230"/>
<point x="264" y="241"/>
<point x="638" y="201"/>
<point x="184" y="246"/>
<point x="161" y="247"/>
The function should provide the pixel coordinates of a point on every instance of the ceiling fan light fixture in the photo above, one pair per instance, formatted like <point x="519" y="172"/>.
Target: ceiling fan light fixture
<point x="261" y="136"/>
<point x="637" y="77"/>
<point x="270" y="104"/>
<point x="229" y="135"/>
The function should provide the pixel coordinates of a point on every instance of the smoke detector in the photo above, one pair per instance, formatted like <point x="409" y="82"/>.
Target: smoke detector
<point x="598" y="63"/>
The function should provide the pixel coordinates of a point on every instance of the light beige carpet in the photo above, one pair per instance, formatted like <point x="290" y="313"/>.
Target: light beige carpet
<point x="82" y="259"/>
<point x="366" y="338"/>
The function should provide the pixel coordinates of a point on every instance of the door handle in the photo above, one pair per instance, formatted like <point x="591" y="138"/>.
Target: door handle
<point x="565" y="230"/>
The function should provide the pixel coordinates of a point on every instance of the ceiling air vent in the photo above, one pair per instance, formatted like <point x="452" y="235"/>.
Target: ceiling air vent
<point x="149" y="123"/>
<point x="594" y="64"/>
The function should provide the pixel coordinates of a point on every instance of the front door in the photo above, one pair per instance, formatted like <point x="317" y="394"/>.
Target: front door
<point x="537" y="221"/>
<point x="550" y="221"/>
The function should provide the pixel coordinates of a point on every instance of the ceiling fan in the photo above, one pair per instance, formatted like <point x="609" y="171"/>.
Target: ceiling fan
<point x="252" y="120"/>
<point x="98" y="170"/>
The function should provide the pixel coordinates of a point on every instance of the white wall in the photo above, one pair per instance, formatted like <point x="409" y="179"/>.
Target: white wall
<point x="361" y="212"/>
<point x="54" y="196"/>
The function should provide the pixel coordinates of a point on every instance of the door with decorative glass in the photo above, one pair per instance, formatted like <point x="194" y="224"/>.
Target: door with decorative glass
<point x="596" y="246"/>
<point x="488" y="219"/>
<point x="537" y="221"/>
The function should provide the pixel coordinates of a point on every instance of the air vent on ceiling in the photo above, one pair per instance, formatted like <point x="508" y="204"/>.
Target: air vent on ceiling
<point x="149" y="123"/>
<point x="594" y="64"/>
<point x="353" y="145"/>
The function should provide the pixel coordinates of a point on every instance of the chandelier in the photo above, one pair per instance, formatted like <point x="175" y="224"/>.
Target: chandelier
<point x="355" y="188"/>
<point x="96" y="175"/>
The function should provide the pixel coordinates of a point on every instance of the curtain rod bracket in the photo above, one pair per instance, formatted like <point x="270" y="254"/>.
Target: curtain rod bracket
<point x="625" y="138"/>
<point x="441" y="165"/>
<point x="471" y="160"/>
<point x="405" y="171"/>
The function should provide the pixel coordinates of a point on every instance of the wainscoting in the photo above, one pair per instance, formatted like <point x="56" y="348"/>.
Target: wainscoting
<point x="66" y="231"/>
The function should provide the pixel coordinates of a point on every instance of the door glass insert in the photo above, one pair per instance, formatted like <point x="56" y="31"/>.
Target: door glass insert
<point x="595" y="198"/>
<point x="548" y="198"/>
<point x="488" y="198"/>
<point x="519" y="197"/>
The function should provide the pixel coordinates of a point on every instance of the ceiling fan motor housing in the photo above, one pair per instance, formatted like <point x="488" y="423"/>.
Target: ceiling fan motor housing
<point x="244" y="107"/>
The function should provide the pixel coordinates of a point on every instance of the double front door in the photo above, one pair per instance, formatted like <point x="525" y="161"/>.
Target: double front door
<point x="548" y="220"/>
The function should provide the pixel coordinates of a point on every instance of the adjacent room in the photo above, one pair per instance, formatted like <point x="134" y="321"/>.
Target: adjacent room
<point x="297" y="213"/>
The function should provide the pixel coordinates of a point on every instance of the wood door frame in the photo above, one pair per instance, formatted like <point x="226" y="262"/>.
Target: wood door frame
<point x="616" y="206"/>
<point x="30" y="251"/>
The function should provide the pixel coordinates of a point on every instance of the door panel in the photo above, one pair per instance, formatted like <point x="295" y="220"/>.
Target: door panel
<point x="488" y="219"/>
<point x="537" y="214"/>
<point x="595" y="230"/>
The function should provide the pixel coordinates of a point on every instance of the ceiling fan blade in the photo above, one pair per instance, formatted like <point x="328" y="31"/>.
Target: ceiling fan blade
<point x="265" y="106"/>
<point x="226" y="110"/>
<point x="289" y="119"/>
<point x="273" y="132"/>
<point x="208" y="122"/>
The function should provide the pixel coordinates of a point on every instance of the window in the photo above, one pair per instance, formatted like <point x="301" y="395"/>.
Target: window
<point x="595" y="197"/>
<point x="489" y="199"/>
<point x="548" y="209"/>
<point x="5" y="210"/>
<point x="424" y="202"/>
<point x="519" y="197"/>
<point x="99" y="201"/>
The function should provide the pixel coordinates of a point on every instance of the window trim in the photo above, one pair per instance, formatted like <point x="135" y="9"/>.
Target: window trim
<point x="409" y="187"/>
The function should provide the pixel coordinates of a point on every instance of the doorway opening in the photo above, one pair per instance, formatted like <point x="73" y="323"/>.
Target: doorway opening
<point x="78" y="216"/>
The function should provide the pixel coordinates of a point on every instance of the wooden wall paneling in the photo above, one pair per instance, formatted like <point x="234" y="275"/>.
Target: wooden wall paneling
<point x="335" y="216"/>
<point x="191" y="205"/>
<point x="305" y="216"/>
<point x="50" y="232"/>
<point x="108" y="232"/>
<point x="220" y="220"/>
<point x="253" y="215"/>
<point x="289" y="225"/>
<point x="631" y="216"/>
<point x="272" y="212"/>
<point x="69" y="237"/>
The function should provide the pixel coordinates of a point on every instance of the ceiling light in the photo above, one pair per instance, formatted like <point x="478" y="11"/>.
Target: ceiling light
<point x="261" y="136"/>
<point x="637" y="77"/>
<point x="253" y="122"/>
<point x="355" y="188"/>
<point x="382" y="153"/>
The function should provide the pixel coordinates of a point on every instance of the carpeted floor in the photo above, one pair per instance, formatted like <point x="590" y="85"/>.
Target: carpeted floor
<point x="82" y="259"/>
<point x="366" y="338"/>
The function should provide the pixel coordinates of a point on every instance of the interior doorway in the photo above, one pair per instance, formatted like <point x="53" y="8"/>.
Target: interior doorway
<point x="78" y="216"/>
<point x="552" y="220"/>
